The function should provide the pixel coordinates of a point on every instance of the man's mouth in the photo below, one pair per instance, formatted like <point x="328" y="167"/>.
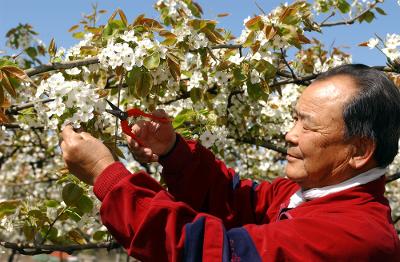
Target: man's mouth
<point x="292" y="156"/>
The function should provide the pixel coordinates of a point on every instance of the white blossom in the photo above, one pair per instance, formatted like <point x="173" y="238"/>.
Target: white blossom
<point x="119" y="54"/>
<point x="236" y="59"/>
<point x="255" y="77"/>
<point x="73" y="71"/>
<point x="207" y="139"/>
<point x="129" y="36"/>
<point x="392" y="41"/>
<point x="195" y="80"/>
<point x="373" y="42"/>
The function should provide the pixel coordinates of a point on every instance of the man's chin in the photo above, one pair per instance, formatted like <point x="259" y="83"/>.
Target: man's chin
<point x="294" y="176"/>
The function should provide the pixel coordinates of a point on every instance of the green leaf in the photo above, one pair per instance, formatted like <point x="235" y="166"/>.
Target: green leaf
<point x="139" y="82"/>
<point x="78" y="35"/>
<point x="380" y="11"/>
<point x="369" y="16"/>
<point x="31" y="52"/>
<point x="152" y="61"/>
<point x="250" y="39"/>
<point x="195" y="8"/>
<point x="255" y="23"/>
<point x="52" y="233"/>
<point x="270" y="71"/>
<point x="238" y="75"/>
<point x="256" y="91"/>
<point x="6" y="62"/>
<point x="76" y="237"/>
<point x="99" y="235"/>
<point x="73" y="215"/>
<point x="173" y="66"/>
<point x="29" y="232"/>
<point x="343" y="6"/>
<point x="36" y="213"/>
<point x="52" y="49"/>
<point x="123" y="17"/>
<point x="52" y="203"/>
<point x="73" y="28"/>
<point x="8" y="86"/>
<point x="266" y="68"/>
<point x="85" y="204"/>
<point x="71" y="194"/>
<point x="183" y="116"/>
<point x="130" y="79"/>
<point x="197" y="24"/>
<point x="144" y="84"/>
<point x="8" y="207"/>
<point x="112" y="27"/>
<point x="196" y="94"/>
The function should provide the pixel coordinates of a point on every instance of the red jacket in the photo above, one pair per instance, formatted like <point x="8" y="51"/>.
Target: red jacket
<point x="208" y="214"/>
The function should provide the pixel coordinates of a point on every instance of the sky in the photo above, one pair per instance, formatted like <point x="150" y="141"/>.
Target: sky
<point x="52" y="18"/>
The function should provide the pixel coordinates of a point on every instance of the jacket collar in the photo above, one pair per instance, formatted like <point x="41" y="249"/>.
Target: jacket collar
<point x="301" y="196"/>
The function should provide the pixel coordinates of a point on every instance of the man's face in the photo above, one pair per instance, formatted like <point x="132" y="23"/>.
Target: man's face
<point x="318" y="154"/>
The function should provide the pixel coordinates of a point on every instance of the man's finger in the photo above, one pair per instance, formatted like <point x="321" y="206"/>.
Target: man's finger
<point x="85" y="135"/>
<point x="132" y="144"/>
<point x="160" y="113"/>
<point x="68" y="133"/>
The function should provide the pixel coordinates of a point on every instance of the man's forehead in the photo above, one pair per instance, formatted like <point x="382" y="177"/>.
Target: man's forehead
<point x="333" y="87"/>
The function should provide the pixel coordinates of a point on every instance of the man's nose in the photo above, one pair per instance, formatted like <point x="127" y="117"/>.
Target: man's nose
<point x="292" y="136"/>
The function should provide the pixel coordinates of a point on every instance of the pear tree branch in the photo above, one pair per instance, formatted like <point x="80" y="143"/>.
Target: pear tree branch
<point x="30" y="250"/>
<point x="350" y="21"/>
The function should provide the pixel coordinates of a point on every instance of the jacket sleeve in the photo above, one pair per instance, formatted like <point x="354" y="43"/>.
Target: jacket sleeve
<point x="195" y="176"/>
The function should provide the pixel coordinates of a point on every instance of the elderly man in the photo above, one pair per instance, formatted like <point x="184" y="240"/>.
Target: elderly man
<point x="331" y="207"/>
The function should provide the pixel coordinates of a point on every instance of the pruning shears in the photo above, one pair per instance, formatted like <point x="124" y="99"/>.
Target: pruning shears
<point x="133" y="112"/>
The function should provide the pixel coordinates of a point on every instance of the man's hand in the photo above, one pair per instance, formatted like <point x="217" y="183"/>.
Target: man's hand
<point x="159" y="138"/>
<point x="85" y="156"/>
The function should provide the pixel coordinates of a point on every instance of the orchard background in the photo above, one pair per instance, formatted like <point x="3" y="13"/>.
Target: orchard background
<point x="234" y="93"/>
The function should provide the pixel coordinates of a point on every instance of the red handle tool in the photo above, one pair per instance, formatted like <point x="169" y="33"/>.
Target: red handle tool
<point x="134" y="112"/>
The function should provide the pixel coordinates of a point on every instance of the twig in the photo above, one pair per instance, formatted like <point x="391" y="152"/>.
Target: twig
<point x="350" y="21"/>
<point x="228" y="46"/>
<point x="29" y="249"/>
<point x="326" y="19"/>
<point x="64" y="65"/>
<point x="118" y="102"/>
<point x="52" y="224"/>
<point x="212" y="55"/>
<point x="265" y="144"/>
<point x="30" y="182"/>
<point x="14" y="109"/>
<point x="393" y="177"/>
<point x="259" y="8"/>
<point x="4" y="157"/>
<point x="299" y="80"/>
<point x="287" y="64"/>
<point x="11" y="257"/>
<point x="17" y="126"/>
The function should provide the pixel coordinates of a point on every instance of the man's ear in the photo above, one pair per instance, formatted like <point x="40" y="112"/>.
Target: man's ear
<point x="363" y="152"/>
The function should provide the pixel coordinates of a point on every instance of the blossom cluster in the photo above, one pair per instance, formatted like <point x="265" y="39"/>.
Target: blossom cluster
<point x="390" y="45"/>
<point x="74" y="101"/>
<point x="176" y="9"/>
<point x="131" y="52"/>
<point x="20" y="37"/>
